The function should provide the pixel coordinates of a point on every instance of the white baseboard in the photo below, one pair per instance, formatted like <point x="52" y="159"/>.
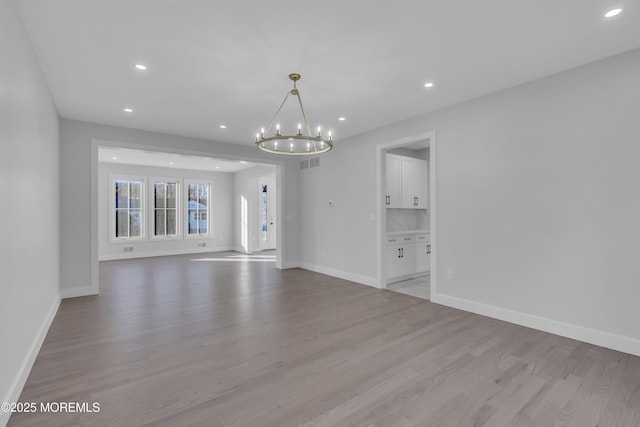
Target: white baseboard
<point x="290" y="264"/>
<point x="131" y="255"/>
<point x="25" y="369"/>
<point x="77" y="292"/>
<point x="365" y="280"/>
<point x="591" y="336"/>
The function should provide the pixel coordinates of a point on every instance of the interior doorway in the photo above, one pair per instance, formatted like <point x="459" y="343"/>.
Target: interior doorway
<point x="406" y="212"/>
<point x="268" y="212"/>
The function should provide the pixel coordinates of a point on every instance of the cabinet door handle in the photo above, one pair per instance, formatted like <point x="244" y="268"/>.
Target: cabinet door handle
<point x="398" y="252"/>
<point x="417" y="201"/>
<point x="402" y="252"/>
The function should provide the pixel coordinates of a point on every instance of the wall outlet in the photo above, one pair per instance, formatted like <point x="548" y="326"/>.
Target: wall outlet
<point x="127" y="249"/>
<point x="202" y="244"/>
<point x="450" y="274"/>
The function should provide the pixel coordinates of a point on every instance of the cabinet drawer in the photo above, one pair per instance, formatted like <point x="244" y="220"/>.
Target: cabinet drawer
<point x="423" y="237"/>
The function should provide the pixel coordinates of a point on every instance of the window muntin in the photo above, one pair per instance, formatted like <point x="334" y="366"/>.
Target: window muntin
<point x="128" y="221"/>
<point x="198" y="209"/>
<point x="165" y="208"/>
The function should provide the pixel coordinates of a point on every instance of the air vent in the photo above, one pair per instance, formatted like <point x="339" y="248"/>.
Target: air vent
<point x="304" y="164"/>
<point x="315" y="162"/>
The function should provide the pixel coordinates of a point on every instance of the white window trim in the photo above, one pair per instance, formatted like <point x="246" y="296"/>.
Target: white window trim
<point x="185" y="207"/>
<point x="112" y="207"/>
<point x="151" y="213"/>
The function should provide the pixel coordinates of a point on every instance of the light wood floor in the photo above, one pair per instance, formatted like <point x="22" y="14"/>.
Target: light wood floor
<point x="229" y="342"/>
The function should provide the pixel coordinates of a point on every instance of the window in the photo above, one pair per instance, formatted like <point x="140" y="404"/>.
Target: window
<point x="128" y="219"/>
<point x="198" y="209"/>
<point x="165" y="208"/>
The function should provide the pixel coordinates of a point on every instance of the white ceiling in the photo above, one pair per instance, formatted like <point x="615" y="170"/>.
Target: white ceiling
<point x="169" y="160"/>
<point x="223" y="62"/>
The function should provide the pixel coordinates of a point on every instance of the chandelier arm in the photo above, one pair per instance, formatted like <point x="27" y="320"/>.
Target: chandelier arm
<point x="306" y="121"/>
<point x="277" y="112"/>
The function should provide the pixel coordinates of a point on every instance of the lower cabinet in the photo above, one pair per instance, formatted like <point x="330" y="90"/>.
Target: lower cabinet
<point x="408" y="254"/>
<point x="423" y="253"/>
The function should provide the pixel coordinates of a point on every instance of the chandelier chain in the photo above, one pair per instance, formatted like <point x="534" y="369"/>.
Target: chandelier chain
<point x="304" y="114"/>
<point x="277" y="112"/>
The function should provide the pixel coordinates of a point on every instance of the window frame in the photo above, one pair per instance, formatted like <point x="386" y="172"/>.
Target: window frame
<point x="185" y="207"/>
<point x="153" y="180"/>
<point x="112" y="208"/>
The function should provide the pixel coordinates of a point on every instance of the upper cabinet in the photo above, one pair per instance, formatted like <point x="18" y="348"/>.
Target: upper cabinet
<point x="406" y="183"/>
<point x="393" y="195"/>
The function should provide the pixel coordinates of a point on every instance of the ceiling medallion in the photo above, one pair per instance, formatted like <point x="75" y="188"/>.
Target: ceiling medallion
<point x="298" y="144"/>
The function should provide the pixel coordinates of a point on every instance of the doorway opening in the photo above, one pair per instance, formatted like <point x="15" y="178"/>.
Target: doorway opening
<point x="406" y="209"/>
<point x="165" y="209"/>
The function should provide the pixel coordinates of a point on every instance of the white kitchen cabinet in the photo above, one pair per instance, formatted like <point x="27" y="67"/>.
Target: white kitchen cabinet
<point x="401" y="259"/>
<point x="406" y="182"/>
<point x="393" y="178"/>
<point x="423" y="253"/>
<point x="414" y="183"/>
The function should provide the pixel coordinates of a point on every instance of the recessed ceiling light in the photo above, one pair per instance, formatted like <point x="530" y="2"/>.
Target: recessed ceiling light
<point x="243" y="162"/>
<point x="428" y="84"/>
<point x="128" y="110"/>
<point x="342" y="119"/>
<point x="171" y="163"/>
<point x="141" y="67"/>
<point x="114" y="158"/>
<point x="217" y="167"/>
<point x="613" y="12"/>
<point x="223" y="126"/>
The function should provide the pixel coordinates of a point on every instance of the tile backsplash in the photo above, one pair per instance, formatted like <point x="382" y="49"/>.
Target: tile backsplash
<point x="407" y="219"/>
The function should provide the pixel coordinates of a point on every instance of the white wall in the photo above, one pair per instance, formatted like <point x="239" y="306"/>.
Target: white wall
<point x="245" y="184"/>
<point x="29" y="262"/>
<point x="537" y="206"/>
<point x="79" y="226"/>
<point x="221" y="219"/>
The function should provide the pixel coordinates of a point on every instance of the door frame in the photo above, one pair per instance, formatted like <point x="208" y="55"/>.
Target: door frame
<point x="381" y="149"/>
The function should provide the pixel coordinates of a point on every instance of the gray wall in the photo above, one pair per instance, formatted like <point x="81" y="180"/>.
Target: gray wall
<point x="78" y="265"/>
<point x="537" y="203"/>
<point x="221" y="213"/>
<point x="29" y="263"/>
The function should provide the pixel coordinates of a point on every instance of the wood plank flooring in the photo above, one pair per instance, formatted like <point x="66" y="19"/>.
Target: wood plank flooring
<point x="231" y="341"/>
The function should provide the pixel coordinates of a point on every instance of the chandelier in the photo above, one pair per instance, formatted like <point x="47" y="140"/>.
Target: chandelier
<point x="298" y="144"/>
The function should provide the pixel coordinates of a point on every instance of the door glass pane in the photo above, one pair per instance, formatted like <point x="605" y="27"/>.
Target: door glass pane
<point x="160" y="222"/>
<point x="264" y="214"/>
<point x="122" y="223"/>
<point x="122" y="194"/>
<point x="159" y="195"/>
<point x="172" y="222"/>
<point x="203" y="194"/>
<point x="135" y="229"/>
<point x="172" y="188"/>
<point x="193" y="192"/>
<point x="135" y="194"/>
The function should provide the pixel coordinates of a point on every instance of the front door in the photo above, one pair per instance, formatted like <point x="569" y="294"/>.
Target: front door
<point x="267" y="203"/>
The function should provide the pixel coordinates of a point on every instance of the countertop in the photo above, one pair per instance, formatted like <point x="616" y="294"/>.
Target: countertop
<point x="399" y="233"/>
